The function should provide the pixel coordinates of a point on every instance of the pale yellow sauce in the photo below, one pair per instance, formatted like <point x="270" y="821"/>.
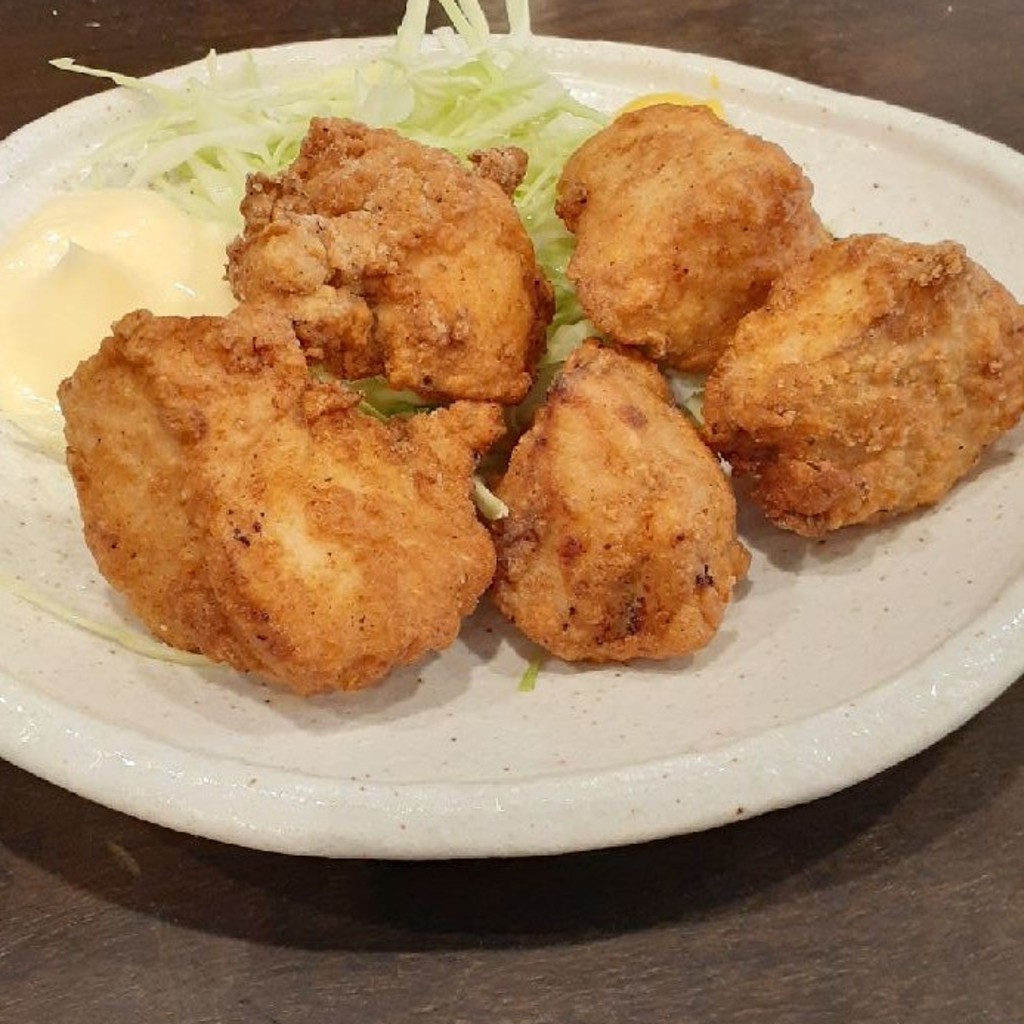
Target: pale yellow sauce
<point x="78" y="264"/>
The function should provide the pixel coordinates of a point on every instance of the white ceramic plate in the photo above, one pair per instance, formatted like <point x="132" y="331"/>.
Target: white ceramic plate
<point x="839" y="658"/>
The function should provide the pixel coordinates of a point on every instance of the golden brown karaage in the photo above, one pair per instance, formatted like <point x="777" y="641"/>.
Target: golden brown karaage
<point x="869" y="384"/>
<point x="258" y="516"/>
<point x="620" y="540"/>
<point x="394" y="258"/>
<point x="682" y="222"/>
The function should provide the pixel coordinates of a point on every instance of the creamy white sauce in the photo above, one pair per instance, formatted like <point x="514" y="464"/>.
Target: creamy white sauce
<point x="78" y="264"/>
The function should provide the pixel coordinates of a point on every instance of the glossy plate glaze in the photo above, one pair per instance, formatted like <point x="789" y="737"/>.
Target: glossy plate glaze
<point x="838" y="659"/>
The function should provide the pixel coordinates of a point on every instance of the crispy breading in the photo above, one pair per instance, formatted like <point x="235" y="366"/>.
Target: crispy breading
<point x="258" y="516"/>
<point x="393" y="257"/>
<point x="869" y="384"/>
<point x="620" y="541"/>
<point x="505" y="166"/>
<point x="682" y="222"/>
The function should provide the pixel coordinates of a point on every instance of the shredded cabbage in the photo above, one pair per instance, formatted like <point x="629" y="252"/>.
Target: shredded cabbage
<point x="491" y="507"/>
<point x="687" y="392"/>
<point x="130" y="639"/>
<point x="383" y="401"/>
<point x="528" y="681"/>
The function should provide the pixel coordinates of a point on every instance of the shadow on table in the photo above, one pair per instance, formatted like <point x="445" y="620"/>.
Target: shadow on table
<point x="309" y="903"/>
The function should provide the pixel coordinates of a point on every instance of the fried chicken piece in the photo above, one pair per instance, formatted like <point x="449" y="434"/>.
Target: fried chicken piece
<point x="682" y="222"/>
<point x="869" y="384"/>
<point x="394" y="257"/>
<point x="620" y="541"/>
<point x="257" y="516"/>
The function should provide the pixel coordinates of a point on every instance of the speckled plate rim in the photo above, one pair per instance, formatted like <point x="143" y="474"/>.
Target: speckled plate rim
<point x="295" y="813"/>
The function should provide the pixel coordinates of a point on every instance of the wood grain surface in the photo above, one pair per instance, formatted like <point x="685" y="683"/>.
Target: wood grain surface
<point x="898" y="901"/>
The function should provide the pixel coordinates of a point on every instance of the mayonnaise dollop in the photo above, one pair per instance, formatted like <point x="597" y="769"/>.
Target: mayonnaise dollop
<point x="82" y="261"/>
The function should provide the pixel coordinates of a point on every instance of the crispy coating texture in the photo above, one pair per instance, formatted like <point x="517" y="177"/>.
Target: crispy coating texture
<point x="505" y="166"/>
<point x="257" y="516"/>
<point x="869" y="384"/>
<point x="682" y="222"/>
<point x="620" y="541"/>
<point x="391" y="257"/>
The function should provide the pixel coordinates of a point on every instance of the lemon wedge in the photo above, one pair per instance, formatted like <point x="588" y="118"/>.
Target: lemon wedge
<point x="679" y="99"/>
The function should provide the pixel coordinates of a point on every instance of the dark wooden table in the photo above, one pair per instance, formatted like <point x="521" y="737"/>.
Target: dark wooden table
<point x="900" y="900"/>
